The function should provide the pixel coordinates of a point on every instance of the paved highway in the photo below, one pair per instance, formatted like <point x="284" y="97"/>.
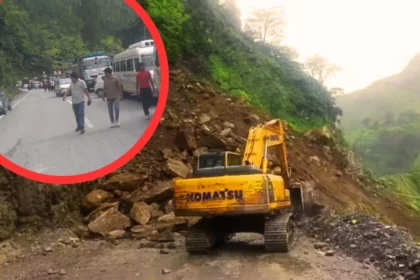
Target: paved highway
<point x="39" y="134"/>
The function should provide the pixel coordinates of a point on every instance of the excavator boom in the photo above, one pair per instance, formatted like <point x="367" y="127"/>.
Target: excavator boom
<point x="262" y="137"/>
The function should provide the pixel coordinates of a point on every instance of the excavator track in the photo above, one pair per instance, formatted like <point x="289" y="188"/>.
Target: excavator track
<point x="199" y="241"/>
<point x="278" y="233"/>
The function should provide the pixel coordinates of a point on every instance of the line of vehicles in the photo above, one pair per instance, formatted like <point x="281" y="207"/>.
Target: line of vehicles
<point x="90" y="67"/>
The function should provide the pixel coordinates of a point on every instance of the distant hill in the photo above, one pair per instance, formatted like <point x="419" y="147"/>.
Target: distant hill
<point x="382" y="125"/>
<point x="385" y="98"/>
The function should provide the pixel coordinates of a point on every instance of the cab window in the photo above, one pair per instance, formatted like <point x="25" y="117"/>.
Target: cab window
<point x="234" y="160"/>
<point x="117" y="66"/>
<point x="209" y="161"/>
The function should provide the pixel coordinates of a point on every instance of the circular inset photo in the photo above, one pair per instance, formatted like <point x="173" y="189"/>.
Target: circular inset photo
<point x="89" y="100"/>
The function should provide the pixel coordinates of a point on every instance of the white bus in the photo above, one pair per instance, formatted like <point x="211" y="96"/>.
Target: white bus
<point x="124" y="64"/>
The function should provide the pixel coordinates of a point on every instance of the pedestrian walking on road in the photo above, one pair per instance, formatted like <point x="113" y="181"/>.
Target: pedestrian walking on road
<point x="145" y="88"/>
<point x="45" y="85"/>
<point x="78" y="90"/>
<point x="113" y="95"/>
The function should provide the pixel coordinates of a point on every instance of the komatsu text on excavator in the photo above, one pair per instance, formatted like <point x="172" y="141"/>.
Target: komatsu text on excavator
<point x="234" y="193"/>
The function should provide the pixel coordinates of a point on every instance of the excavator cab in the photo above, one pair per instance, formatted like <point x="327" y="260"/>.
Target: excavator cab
<point x="218" y="160"/>
<point x="222" y="164"/>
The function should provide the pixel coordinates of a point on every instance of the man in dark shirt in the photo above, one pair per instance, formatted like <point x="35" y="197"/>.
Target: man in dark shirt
<point x="145" y="88"/>
<point x="113" y="95"/>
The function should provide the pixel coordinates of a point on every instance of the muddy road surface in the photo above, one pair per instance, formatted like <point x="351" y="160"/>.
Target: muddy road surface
<point x="58" y="255"/>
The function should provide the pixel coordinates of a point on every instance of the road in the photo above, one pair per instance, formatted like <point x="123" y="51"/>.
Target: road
<point x="243" y="258"/>
<point x="38" y="134"/>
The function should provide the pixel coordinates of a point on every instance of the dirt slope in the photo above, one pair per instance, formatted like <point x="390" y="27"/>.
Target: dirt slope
<point x="195" y="119"/>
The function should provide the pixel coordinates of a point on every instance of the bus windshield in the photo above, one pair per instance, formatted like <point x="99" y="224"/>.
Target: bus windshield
<point x="97" y="63"/>
<point x="148" y="61"/>
<point x="65" y="81"/>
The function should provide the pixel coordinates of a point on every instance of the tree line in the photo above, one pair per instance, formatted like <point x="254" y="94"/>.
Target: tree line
<point x="210" y="36"/>
<point x="43" y="35"/>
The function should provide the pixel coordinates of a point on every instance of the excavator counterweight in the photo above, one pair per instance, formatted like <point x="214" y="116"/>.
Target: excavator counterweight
<point x="234" y="193"/>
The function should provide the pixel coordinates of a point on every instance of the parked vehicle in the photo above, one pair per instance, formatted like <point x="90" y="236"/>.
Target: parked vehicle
<point x="89" y="66"/>
<point x="61" y="86"/>
<point x="99" y="85"/>
<point x="124" y="64"/>
<point x="5" y="104"/>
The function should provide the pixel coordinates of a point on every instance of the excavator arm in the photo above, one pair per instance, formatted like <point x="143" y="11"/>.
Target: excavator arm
<point x="262" y="137"/>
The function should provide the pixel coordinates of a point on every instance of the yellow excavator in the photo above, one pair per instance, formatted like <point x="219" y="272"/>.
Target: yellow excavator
<point x="234" y="193"/>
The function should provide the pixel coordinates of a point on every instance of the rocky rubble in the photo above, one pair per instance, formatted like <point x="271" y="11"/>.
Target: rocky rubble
<point x="135" y="201"/>
<point x="389" y="248"/>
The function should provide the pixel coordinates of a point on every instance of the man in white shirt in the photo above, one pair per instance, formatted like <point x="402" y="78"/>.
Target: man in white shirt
<point x="78" y="90"/>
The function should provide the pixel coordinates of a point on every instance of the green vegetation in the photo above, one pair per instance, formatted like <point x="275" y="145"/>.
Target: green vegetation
<point x="382" y="125"/>
<point x="47" y="35"/>
<point x="206" y="34"/>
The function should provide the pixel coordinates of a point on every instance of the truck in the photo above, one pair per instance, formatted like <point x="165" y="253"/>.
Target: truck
<point x="89" y="66"/>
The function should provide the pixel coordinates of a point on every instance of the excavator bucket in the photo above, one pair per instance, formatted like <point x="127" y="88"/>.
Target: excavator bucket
<point x="296" y="197"/>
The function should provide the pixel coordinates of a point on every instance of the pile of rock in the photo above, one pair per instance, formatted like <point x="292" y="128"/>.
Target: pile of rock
<point x="389" y="248"/>
<point x="124" y="207"/>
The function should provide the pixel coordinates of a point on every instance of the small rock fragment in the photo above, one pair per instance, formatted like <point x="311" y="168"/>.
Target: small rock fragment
<point x="320" y="245"/>
<point x="329" y="253"/>
<point x="165" y="271"/>
<point x="48" y="249"/>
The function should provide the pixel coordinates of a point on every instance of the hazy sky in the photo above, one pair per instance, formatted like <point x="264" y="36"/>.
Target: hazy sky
<point x="369" y="39"/>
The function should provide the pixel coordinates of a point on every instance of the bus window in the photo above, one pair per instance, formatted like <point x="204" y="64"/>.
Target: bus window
<point x="130" y="65"/>
<point x="117" y="66"/>
<point x="124" y="66"/>
<point x="136" y="63"/>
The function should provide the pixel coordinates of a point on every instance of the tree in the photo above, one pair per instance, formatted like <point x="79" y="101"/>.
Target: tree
<point x="320" y="69"/>
<point x="266" y="25"/>
<point x="336" y="91"/>
<point x="233" y="14"/>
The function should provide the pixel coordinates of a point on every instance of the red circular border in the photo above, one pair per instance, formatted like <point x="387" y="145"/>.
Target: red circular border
<point x="163" y="95"/>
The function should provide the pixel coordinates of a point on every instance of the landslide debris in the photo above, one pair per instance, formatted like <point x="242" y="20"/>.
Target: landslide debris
<point x="388" y="247"/>
<point x="135" y="201"/>
<point x="199" y="118"/>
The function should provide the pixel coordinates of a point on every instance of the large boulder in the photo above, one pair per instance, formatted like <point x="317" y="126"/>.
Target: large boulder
<point x="124" y="182"/>
<point x="96" y="198"/>
<point x="141" y="213"/>
<point x="177" y="168"/>
<point x="211" y="141"/>
<point x="185" y="139"/>
<point x="109" y="221"/>
<point x="159" y="193"/>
